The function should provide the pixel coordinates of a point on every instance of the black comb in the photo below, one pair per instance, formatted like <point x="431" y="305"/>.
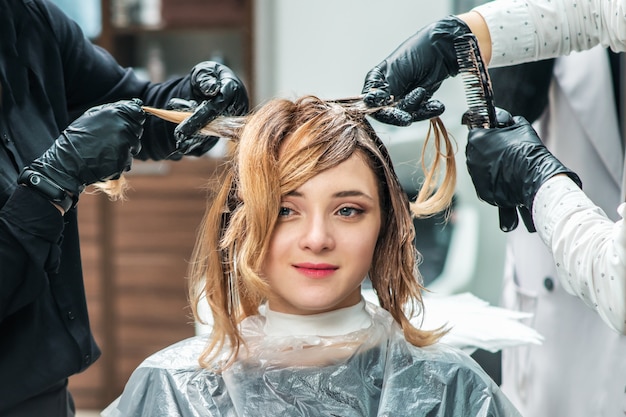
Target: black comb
<point x="482" y="110"/>
<point x="478" y="92"/>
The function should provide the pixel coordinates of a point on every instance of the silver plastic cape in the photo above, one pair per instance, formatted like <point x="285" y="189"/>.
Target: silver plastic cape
<point x="370" y="372"/>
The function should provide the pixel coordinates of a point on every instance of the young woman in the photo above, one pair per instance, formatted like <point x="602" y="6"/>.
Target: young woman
<point x="308" y="209"/>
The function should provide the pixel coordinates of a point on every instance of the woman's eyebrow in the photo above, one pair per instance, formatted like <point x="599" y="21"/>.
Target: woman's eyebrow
<point x="339" y="194"/>
<point x="352" y="193"/>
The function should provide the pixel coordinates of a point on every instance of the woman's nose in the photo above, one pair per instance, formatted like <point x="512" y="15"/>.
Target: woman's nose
<point x="317" y="235"/>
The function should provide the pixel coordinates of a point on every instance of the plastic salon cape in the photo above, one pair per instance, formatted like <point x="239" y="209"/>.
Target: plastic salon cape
<point x="369" y="372"/>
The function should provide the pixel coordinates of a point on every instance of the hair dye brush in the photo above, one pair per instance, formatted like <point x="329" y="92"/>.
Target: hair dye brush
<point x="482" y="111"/>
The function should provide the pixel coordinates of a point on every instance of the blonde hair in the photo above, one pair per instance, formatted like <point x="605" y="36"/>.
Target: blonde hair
<point x="114" y="189"/>
<point x="275" y="150"/>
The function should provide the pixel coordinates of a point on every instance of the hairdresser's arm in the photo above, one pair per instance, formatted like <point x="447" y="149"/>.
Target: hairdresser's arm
<point x="511" y="167"/>
<point x="589" y="250"/>
<point x="508" y="32"/>
<point x="98" y="145"/>
<point x="530" y="30"/>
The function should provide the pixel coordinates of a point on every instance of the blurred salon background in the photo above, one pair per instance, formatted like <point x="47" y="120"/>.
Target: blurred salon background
<point x="135" y="252"/>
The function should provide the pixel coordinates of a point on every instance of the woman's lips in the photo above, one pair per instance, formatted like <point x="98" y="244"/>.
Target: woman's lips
<point x="316" y="271"/>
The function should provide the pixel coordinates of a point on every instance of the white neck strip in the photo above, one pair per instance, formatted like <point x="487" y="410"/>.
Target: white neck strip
<point x="333" y="323"/>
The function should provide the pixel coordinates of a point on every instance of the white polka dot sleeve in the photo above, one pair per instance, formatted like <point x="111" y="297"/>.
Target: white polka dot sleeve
<point x="589" y="249"/>
<point x="529" y="30"/>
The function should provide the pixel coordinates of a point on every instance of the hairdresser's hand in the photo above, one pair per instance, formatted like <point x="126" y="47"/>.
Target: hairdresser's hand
<point x="509" y="164"/>
<point x="424" y="60"/>
<point x="97" y="146"/>
<point x="219" y="92"/>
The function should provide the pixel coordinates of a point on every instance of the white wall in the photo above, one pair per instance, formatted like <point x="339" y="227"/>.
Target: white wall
<point x="325" y="47"/>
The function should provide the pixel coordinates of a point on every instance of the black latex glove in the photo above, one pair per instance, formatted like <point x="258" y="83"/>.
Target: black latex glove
<point x="509" y="164"/>
<point x="97" y="146"/>
<point x="523" y="90"/>
<point x="219" y="92"/>
<point x="424" y="60"/>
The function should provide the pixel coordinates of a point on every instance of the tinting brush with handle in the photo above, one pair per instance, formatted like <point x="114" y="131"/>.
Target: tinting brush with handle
<point x="482" y="110"/>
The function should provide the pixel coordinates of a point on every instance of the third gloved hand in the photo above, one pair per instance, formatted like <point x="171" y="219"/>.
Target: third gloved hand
<point x="219" y="92"/>
<point x="509" y="164"/>
<point x="424" y="60"/>
<point x="97" y="146"/>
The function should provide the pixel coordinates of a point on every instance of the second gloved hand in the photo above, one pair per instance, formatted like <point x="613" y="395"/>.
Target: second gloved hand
<point x="97" y="146"/>
<point x="424" y="60"/>
<point x="508" y="165"/>
<point x="219" y="92"/>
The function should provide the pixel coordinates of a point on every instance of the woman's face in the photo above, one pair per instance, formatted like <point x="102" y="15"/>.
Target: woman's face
<point x="324" y="241"/>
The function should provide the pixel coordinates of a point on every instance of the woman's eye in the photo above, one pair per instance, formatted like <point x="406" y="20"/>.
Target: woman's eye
<point x="349" y="211"/>
<point x="284" y="211"/>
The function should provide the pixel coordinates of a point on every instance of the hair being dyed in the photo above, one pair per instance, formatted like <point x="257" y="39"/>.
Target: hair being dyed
<point x="274" y="151"/>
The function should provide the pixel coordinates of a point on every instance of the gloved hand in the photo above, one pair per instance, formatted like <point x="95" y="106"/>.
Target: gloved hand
<point x="97" y="146"/>
<point x="424" y="60"/>
<point x="509" y="164"/>
<point x="219" y="92"/>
